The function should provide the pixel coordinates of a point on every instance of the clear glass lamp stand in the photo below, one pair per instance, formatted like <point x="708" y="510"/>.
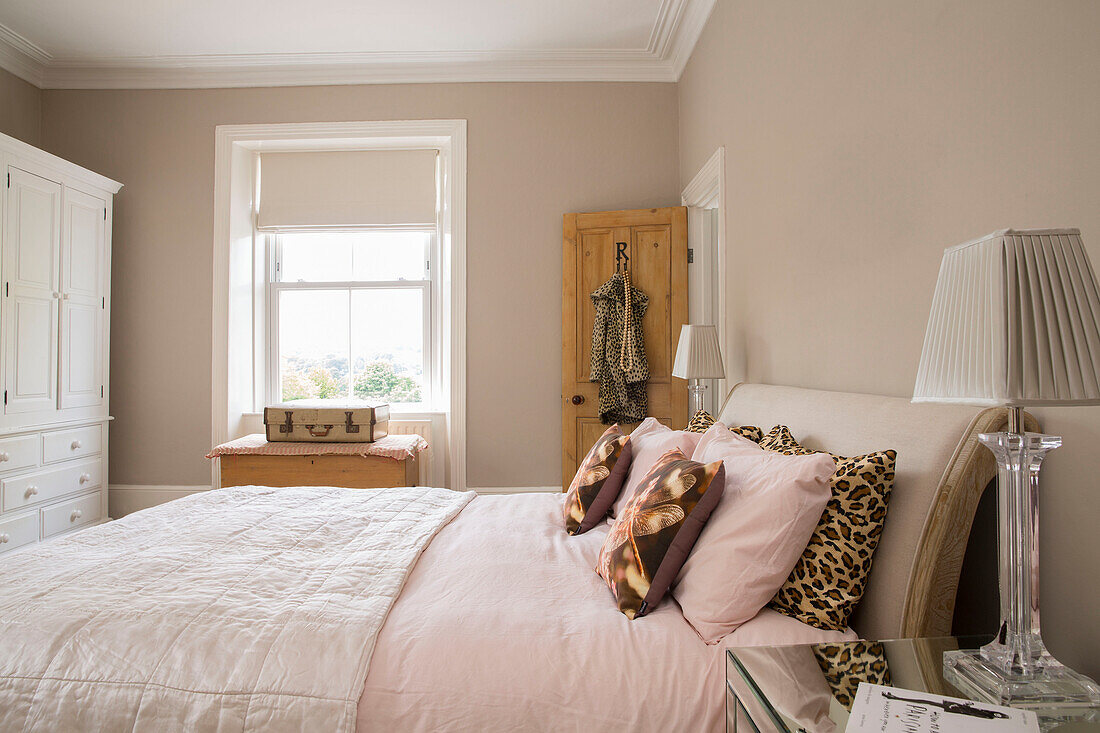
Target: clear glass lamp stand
<point x="695" y="395"/>
<point x="1016" y="668"/>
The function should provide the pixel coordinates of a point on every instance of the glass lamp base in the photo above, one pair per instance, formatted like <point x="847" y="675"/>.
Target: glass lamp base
<point x="1052" y="689"/>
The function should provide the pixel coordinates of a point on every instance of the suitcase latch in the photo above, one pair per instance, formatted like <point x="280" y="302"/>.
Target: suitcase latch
<point x="348" y="427"/>
<point x="288" y="426"/>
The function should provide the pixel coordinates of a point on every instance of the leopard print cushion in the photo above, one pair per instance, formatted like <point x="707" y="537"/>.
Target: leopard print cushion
<point x="830" y="576"/>
<point x="846" y="665"/>
<point x="702" y="420"/>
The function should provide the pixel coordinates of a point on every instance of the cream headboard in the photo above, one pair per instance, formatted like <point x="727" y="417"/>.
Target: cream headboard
<point x="942" y="471"/>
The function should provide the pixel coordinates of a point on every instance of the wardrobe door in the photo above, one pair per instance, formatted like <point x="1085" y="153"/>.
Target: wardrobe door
<point x="83" y="230"/>
<point x="32" y="239"/>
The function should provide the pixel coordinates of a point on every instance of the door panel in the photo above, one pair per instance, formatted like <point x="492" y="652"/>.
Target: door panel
<point x="82" y="262"/>
<point x="34" y="330"/>
<point x="657" y="244"/>
<point x="651" y="272"/>
<point x="595" y="263"/>
<point x="33" y="207"/>
<point x="81" y="362"/>
<point x="83" y="233"/>
<point x="30" y="263"/>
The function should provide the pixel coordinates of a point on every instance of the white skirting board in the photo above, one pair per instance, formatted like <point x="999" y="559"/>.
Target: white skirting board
<point x="125" y="499"/>
<point x="517" y="489"/>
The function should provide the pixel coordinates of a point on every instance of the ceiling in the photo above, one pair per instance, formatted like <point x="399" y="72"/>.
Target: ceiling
<point x="131" y="44"/>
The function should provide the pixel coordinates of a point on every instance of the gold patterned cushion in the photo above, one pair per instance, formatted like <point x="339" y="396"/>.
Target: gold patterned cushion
<point x="702" y="420"/>
<point x="655" y="531"/>
<point x="846" y="665"/>
<point x="598" y="481"/>
<point x="830" y="576"/>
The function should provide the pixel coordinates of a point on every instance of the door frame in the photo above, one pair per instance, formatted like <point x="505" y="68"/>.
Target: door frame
<point x="707" y="269"/>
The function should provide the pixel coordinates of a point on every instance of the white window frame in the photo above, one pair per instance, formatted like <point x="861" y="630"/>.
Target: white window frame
<point x="429" y="288"/>
<point x="238" y="365"/>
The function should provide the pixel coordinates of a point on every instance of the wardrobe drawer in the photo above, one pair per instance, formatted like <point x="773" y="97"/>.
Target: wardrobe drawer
<point x="70" y="514"/>
<point x="62" y="445"/>
<point x="16" y="453"/>
<point x="39" y="487"/>
<point x="18" y="531"/>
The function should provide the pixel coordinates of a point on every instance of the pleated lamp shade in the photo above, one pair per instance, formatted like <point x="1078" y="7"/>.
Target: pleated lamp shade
<point x="1015" y="321"/>
<point x="697" y="354"/>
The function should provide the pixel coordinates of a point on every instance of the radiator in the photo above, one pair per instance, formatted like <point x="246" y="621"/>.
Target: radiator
<point x="423" y="428"/>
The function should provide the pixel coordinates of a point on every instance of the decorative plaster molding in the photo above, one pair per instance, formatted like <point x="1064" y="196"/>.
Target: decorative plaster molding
<point x="675" y="32"/>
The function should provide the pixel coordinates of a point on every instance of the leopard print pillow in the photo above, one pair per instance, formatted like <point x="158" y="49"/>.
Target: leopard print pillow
<point x="846" y="665"/>
<point x="828" y="580"/>
<point x="702" y="420"/>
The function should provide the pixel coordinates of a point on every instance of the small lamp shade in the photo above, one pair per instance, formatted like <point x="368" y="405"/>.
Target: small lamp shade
<point x="1015" y="321"/>
<point x="697" y="354"/>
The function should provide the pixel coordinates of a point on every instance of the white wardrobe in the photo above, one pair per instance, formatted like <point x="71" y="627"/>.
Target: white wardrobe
<point x="55" y="271"/>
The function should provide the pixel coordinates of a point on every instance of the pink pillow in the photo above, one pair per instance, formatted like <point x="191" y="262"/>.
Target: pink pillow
<point x="771" y="628"/>
<point x="649" y="441"/>
<point x="756" y="534"/>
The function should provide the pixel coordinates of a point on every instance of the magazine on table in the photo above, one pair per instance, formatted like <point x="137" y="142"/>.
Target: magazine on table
<point x="892" y="710"/>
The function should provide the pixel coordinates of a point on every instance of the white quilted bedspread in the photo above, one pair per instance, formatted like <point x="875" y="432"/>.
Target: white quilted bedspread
<point x="242" y="609"/>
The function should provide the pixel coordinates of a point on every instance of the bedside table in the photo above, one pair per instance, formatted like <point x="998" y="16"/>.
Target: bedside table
<point x="810" y="687"/>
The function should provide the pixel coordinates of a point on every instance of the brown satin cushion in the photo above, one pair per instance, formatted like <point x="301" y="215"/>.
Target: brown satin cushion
<point x="829" y="579"/>
<point x="655" y="531"/>
<point x="702" y="420"/>
<point x="597" y="482"/>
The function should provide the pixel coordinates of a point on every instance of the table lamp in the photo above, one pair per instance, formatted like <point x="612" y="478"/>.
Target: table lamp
<point x="698" y="357"/>
<point x="1015" y="322"/>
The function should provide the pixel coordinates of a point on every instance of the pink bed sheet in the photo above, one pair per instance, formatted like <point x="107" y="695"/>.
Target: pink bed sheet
<point x="504" y="625"/>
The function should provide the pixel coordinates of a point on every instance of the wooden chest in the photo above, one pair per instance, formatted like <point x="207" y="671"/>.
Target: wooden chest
<point x="354" y="472"/>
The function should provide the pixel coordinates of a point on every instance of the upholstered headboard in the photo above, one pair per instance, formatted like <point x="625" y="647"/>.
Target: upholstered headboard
<point x="942" y="471"/>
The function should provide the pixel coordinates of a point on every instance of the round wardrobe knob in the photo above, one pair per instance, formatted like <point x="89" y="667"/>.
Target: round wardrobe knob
<point x="4" y="457"/>
<point x="77" y="514"/>
<point x="32" y="491"/>
<point x="578" y="399"/>
<point x="75" y="445"/>
<point x="85" y="478"/>
<point x="4" y="538"/>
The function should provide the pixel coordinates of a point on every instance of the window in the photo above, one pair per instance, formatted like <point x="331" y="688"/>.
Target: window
<point x="351" y="315"/>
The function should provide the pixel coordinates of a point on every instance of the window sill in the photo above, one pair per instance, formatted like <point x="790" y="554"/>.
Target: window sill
<point x="394" y="414"/>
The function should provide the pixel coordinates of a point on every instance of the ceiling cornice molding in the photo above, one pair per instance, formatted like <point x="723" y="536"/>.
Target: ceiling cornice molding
<point x="262" y="70"/>
<point x="22" y="57"/>
<point x="690" y="24"/>
<point x="676" y="29"/>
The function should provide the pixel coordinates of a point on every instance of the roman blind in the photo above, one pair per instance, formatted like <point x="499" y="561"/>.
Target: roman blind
<point x="347" y="188"/>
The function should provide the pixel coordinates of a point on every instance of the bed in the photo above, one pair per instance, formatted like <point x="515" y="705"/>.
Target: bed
<point x="329" y="609"/>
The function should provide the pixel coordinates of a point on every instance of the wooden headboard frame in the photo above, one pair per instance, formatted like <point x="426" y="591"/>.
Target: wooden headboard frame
<point x="915" y="575"/>
<point x="934" y="578"/>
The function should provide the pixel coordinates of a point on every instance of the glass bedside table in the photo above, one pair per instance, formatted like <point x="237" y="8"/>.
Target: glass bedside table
<point x="810" y="687"/>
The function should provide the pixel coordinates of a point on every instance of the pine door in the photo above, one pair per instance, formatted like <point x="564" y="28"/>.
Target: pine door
<point x="656" y="242"/>
<point x="83" y="301"/>
<point x="32" y="245"/>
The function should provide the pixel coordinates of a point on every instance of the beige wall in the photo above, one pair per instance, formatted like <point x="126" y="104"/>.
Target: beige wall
<point x="535" y="151"/>
<point x="862" y="138"/>
<point x="20" y="108"/>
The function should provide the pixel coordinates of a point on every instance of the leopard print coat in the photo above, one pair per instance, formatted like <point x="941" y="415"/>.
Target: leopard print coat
<point x="618" y="352"/>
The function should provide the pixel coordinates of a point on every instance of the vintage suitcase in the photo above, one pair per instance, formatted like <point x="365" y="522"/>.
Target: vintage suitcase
<point x="327" y="421"/>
